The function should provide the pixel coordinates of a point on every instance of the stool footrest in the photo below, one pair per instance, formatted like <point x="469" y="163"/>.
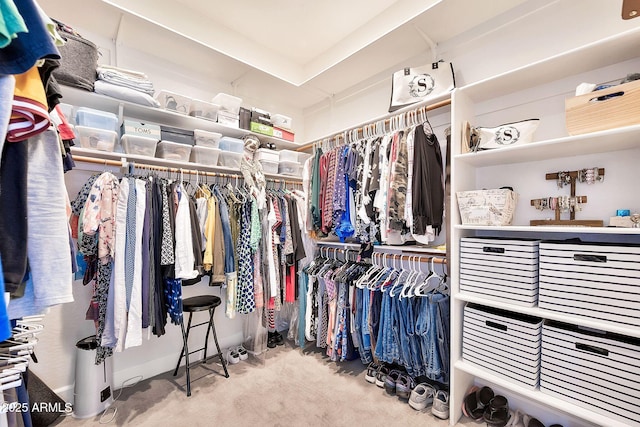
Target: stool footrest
<point x="199" y="324"/>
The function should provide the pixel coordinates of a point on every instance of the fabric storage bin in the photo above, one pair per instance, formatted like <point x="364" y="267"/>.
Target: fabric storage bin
<point x="593" y="369"/>
<point x="229" y="159"/>
<point x="267" y="154"/>
<point x="173" y="151"/>
<point x="137" y="128"/>
<point x="281" y="121"/>
<point x="97" y="139"/>
<point x="206" y="139"/>
<point x="290" y="168"/>
<point x="205" y="155"/>
<point x="181" y="136"/>
<point x="269" y="166"/>
<point x="505" y="343"/>
<point x="500" y="269"/>
<point x="88" y="117"/>
<point x="288" y="156"/>
<point x="228" y="119"/>
<point x="203" y="110"/>
<point x="228" y="103"/>
<point x="174" y="102"/>
<point x="228" y="143"/>
<point x="487" y="207"/>
<point x="78" y="61"/>
<point x="135" y="144"/>
<point x="591" y="280"/>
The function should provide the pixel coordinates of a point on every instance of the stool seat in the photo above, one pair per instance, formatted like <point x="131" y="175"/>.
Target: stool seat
<point x="200" y="303"/>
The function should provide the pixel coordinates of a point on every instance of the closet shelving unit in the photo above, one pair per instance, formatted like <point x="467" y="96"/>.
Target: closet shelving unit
<point x="539" y="90"/>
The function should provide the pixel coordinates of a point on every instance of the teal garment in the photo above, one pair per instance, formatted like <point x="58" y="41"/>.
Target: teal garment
<point x="11" y="22"/>
<point x="316" y="215"/>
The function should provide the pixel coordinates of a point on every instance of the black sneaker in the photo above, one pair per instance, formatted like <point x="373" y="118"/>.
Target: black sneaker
<point x="271" y="341"/>
<point x="279" y="339"/>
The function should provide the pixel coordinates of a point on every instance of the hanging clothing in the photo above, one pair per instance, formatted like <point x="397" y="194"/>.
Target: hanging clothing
<point x="428" y="186"/>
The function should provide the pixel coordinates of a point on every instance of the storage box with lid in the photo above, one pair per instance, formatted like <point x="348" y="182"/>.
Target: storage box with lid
<point x="203" y="110"/>
<point x="88" y="117"/>
<point x="140" y="145"/>
<point x="173" y="151"/>
<point x="487" y="207"/>
<point x="505" y="343"/>
<point x="269" y="166"/>
<point x="593" y="369"/>
<point x="228" y="143"/>
<point x="267" y="154"/>
<point x="500" y="269"/>
<point x="290" y="168"/>
<point x="204" y="155"/>
<point x="138" y="128"/>
<point x="174" y="102"/>
<point x="288" y="156"/>
<point x="97" y="139"/>
<point x="244" y="118"/>
<point x="181" y="136"/>
<point x="228" y="103"/>
<point x="609" y="108"/>
<point x="261" y="129"/>
<point x="206" y="139"/>
<point x="229" y="119"/>
<point x="283" y="134"/>
<point x="281" y="121"/>
<point x="591" y="280"/>
<point x="230" y="159"/>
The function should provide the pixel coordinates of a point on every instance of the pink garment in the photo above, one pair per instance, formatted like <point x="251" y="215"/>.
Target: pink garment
<point x="100" y="214"/>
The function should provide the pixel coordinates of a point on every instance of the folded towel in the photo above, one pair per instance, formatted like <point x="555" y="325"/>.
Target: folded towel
<point x="124" y="93"/>
<point x="125" y="78"/>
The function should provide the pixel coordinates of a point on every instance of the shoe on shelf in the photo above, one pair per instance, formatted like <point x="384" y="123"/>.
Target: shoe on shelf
<point x="422" y="396"/>
<point x="372" y="371"/>
<point x="381" y="376"/>
<point x="232" y="356"/>
<point x="390" y="381"/>
<point x="404" y="385"/>
<point x="529" y="421"/>
<point x="496" y="413"/>
<point x="475" y="402"/>
<point x="440" y="406"/>
<point x="242" y="352"/>
<point x="515" y="419"/>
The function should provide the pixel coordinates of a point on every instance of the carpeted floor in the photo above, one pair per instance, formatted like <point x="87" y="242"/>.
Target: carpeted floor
<point x="290" y="387"/>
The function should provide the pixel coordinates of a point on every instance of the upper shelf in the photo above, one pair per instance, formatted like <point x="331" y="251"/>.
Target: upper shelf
<point x="592" y="143"/>
<point x="552" y="229"/>
<point x="611" y="50"/>
<point x="83" y="98"/>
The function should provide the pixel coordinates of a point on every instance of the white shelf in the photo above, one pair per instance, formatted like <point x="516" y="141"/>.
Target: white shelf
<point x="538" y="396"/>
<point x="108" y="155"/>
<point x="83" y="98"/>
<point x="592" y="143"/>
<point x="614" y="49"/>
<point x="614" y="327"/>
<point x="552" y="229"/>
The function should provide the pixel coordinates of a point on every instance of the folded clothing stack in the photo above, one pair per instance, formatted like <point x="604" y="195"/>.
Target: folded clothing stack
<point x="132" y="86"/>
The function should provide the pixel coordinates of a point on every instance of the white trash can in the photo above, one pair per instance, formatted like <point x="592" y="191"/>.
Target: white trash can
<point x="93" y="390"/>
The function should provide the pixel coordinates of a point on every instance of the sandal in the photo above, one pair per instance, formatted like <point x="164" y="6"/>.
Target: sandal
<point x="404" y="385"/>
<point x="381" y="376"/>
<point x="390" y="381"/>
<point x="496" y="414"/>
<point x="476" y="401"/>
<point x="529" y="421"/>
<point x="372" y="372"/>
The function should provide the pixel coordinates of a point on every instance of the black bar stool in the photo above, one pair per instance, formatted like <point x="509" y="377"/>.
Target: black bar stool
<point x="192" y="305"/>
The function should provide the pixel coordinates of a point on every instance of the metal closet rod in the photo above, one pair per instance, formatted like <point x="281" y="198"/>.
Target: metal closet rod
<point x="107" y="162"/>
<point x="437" y="258"/>
<point x="335" y="136"/>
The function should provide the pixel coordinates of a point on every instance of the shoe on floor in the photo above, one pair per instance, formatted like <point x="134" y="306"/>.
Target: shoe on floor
<point x="496" y="414"/>
<point x="279" y="339"/>
<point x="421" y="396"/>
<point x="271" y="340"/>
<point x="232" y="356"/>
<point x="475" y="401"/>
<point x="404" y="385"/>
<point x="529" y="421"/>
<point x="242" y="352"/>
<point x="515" y="419"/>
<point x="372" y="371"/>
<point x="440" y="406"/>
<point x="390" y="381"/>
<point x="381" y="376"/>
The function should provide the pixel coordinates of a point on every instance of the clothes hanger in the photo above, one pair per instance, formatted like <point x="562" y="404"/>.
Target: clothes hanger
<point x="425" y="287"/>
<point x="410" y="280"/>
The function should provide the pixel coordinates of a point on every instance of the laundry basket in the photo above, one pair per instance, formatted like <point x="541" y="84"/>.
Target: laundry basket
<point x="94" y="383"/>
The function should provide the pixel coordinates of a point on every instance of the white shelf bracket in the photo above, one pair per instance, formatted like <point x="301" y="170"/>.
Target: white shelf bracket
<point x="116" y="39"/>
<point x="433" y="46"/>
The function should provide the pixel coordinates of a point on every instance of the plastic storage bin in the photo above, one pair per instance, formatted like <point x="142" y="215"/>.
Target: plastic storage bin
<point x="269" y="166"/>
<point x="228" y="103"/>
<point x="228" y="143"/>
<point x="205" y="155"/>
<point x="181" y="136"/>
<point x="288" y="156"/>
<point x="174" y="102"/>
<point x="229" y="159"/>
<point x="281" y="121"/>
<point x="142" y="145"/>
<point x="229" y="119"/>
<point x="268" y="155"/>
<point x="173" y="151"/>
<point x="203" y="110"/>
<point x="204" y="138"/>
<point x="138" y="128"/>
<point x="289" y="168"/>
<point x="91" y="118"/>
<point x="97" y="139"/>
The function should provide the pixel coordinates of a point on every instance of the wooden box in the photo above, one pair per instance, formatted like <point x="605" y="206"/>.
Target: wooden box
<point x="589" y="113"/>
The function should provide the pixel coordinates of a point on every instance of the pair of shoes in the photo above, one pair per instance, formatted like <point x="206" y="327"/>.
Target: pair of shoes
<point x="475" y="402"/>
<point x="390" y="381"/>
<point x="404" y="386"/>
<point x="232" y="356"/>
<point x="372" y="371"/>
<point x="381" y="376"/>
<point x="242" y="352"/>
<point x="440" y="406"/>
<point x="422" y="396"/>
<point x="496" y="413"/>
<point x="275" y="338"/>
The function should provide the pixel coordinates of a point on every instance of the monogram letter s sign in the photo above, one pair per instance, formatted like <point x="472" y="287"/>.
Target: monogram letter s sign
<point x="412" y="85"/>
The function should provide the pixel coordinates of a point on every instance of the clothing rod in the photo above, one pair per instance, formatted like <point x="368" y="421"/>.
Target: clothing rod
<point x="437" y="258"/>
<point x="107" y="162"/>
<point x="386" y="121"/>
